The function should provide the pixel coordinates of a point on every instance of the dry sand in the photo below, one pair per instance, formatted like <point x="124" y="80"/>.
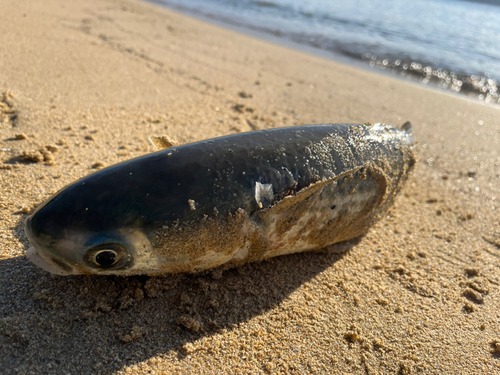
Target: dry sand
<point x="84" y="83"/>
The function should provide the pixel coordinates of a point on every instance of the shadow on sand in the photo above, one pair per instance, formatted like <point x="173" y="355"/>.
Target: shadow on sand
<point x="100" y="324"/>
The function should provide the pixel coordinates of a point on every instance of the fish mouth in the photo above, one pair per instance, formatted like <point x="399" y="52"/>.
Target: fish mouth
<point x="38" y="257"/>
<point x="46" y="264"/>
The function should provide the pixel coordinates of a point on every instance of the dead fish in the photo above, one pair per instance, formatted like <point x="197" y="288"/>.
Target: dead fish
<point x="224" y="201"/>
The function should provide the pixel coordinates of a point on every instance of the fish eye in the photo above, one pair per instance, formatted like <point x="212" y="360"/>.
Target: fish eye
<point x="105" y="256"/>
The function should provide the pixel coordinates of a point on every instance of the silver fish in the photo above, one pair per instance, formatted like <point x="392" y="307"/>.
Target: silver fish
<point x="224" y="201"/>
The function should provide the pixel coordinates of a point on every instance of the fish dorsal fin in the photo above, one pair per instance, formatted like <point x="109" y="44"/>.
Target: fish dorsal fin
<point x="162" y="141"/>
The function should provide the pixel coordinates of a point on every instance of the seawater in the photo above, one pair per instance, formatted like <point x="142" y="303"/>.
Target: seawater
<point x="452" y="43"/>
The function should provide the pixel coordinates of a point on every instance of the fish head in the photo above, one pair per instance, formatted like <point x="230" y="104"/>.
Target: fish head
<point x="90" y="229"/>
<point x="76" y="252"/>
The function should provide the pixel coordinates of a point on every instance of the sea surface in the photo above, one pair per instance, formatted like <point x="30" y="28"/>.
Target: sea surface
<point x="454" y="44"/>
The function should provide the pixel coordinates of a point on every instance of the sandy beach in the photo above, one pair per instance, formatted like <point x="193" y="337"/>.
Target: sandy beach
<point x="83" y="84"/>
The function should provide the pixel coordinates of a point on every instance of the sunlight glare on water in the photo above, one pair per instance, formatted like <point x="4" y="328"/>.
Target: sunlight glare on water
<point x="454" y="43"/>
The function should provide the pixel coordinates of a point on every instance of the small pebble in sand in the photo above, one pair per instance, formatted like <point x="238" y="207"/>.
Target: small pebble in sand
<point x="51" y="148"/>
<point x="190" y="323"/>
<point x="26" y="209"/>
<point x="465" y="216"/>
<point x="97" y="165"/>
<point x="382" y="301"/>
<point x="352" y="337"/>
<point x="39" y="156"/>
<point x="6" y="166"/>
<point x="32" y="156"/>
<point x="495" y="346"/>
<point x="48" y="158"/>
<point x="135" y="334"/>
<point x="21" y="136"/>
<point x="8" y="108"/>
<point x="239" y="108"/>
<point x="189" y="348"/>
<point x="245" y="95"/>
<point x="217" y="273"/>
<point x="153" y="119"/>
<point x="471" y="272"/>
<point x="469" y="307"/>
<point x="162" y="141"/>
<point x="473" y="295"/>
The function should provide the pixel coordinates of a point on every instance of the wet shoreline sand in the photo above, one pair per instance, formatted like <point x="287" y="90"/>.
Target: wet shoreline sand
<point x="473" y="85"/>
<point x="84" y="84"/>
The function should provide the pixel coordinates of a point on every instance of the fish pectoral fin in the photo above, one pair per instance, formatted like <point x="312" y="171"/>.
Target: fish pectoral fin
<point x="325" y="212"/>
<point x="298" y="201"/>
<point x="161" y="142"/>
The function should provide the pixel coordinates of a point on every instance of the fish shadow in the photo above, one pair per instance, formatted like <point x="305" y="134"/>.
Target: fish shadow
<point x="101" y="324"/>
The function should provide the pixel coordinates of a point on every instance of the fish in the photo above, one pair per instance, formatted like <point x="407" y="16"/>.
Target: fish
<point x="223" y="202"/>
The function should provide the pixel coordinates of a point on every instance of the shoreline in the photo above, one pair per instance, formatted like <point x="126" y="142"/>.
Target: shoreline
<point x="474" y="87"/>
<point x="84" y="84"/>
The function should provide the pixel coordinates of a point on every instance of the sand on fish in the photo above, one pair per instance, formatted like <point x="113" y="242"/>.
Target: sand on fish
<point x="85" y="83"/>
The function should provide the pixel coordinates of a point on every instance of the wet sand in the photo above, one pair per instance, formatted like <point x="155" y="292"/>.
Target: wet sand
<point x="85" y="83"/>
